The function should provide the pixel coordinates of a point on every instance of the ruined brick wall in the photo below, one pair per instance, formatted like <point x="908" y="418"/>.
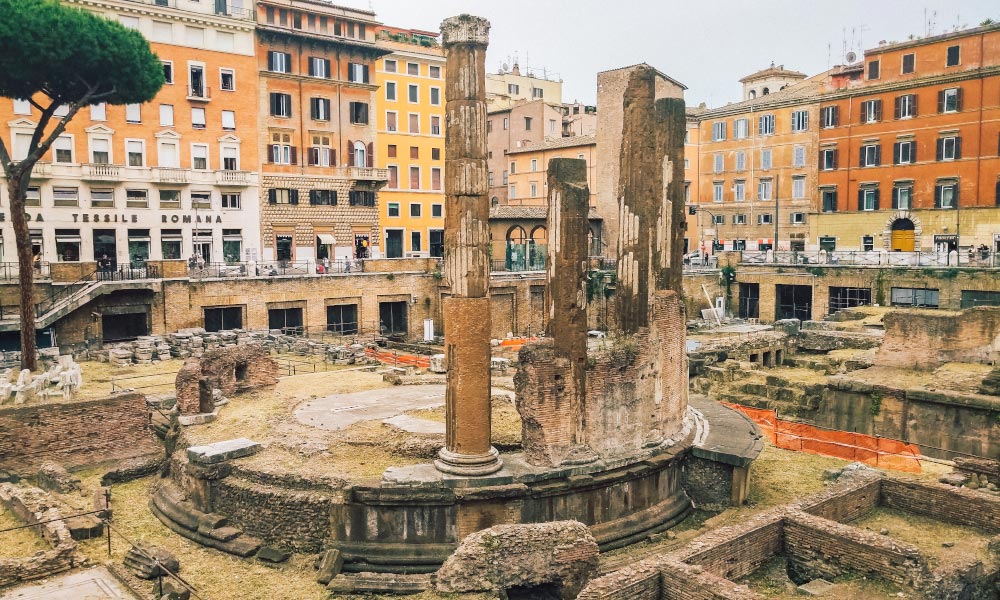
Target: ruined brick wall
<point x="924" y="340"/>
<point x="32" y="505"/>
<point x="845" y="502"/>
<point x="75" y="433"/>
<point x="736" y="551"/>
<point x="187" y="388"/>
<point x="680" y="581"/>
<point x="544" y="392"/>
<point x="239" y="368"/>
<point x="640" y="581"/>
<point x="939" y="501"/>
<point x="818" y="548"/>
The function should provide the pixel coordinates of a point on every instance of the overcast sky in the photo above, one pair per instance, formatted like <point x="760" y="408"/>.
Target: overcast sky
<point x="708" y="45"/>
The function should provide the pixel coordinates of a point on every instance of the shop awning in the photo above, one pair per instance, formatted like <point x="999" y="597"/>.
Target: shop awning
<point x="326" y="239"/>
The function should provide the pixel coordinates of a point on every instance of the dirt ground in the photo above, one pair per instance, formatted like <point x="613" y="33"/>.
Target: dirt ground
<point x="771" y="581"/>
<point x="929" y="535"/>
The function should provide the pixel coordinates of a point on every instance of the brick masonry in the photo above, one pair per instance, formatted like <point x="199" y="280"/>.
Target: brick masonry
<point x="32" y="505"/>
<point x="925" y="340"/>
<point x="75" y="433"/>
<point x="230" y="369"/>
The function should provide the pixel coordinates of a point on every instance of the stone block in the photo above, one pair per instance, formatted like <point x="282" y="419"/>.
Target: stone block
<point x="270" y="554"/>
<point x="149" y="562"/>
<point x="55" y="478"/>
<point x="329" y="565"/>
<point x="222" y="451"/>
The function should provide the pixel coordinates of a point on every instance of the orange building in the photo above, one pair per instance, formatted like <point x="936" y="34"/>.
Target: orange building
<point x="319" y="177"/>
<point x="908" y="156"/>
<point x="163" y="180"/>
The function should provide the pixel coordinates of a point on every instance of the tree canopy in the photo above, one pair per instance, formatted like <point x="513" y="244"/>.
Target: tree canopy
<point x="70" y="54"/>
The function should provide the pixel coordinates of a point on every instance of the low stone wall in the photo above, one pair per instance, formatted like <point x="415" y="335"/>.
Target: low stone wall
<point x="843" y="503"/>
<point x="75" y="433"/>
<point x="739" y="550"/>
<point x="961" y="506"/>
<point x="921" y="339"/>
<point x="32" y="505"/>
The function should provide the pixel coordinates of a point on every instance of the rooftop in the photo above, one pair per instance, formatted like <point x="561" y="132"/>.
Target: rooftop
<point x="887" y="47"/>
<point x="773" y="71"/>
<point x="556" y="143"/>
<point x="505" y="211"/>
<point x="801" y="91"/>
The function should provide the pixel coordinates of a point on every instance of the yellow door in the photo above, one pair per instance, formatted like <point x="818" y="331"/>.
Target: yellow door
<point x="902" y="240"/>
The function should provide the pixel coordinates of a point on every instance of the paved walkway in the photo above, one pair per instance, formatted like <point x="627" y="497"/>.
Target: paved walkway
<point x="85" y="584"/>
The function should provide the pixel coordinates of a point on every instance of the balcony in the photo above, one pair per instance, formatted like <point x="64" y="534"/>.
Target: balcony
<point x="367" y="173"/>
<point x="233" y="178"/>
<point x="219" y="8"/>
<point x="199" y="93"/>
<point x="101" y="172"/>
<point x="170" y="175"/>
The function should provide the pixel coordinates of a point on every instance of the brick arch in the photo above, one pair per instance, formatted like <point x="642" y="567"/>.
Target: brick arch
<point x="917" y="229"/>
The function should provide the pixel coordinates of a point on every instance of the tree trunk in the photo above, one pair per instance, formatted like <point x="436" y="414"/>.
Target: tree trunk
<point x="17" y="188"/>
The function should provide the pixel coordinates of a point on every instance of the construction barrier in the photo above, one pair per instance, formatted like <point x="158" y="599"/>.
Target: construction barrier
<point x="875" y="451"/>
<point x="395" y="359"/>
<point x="516" y="343"/>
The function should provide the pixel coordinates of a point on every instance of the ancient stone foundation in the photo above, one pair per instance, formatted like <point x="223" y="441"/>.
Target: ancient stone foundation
<point x="229" y="369"/>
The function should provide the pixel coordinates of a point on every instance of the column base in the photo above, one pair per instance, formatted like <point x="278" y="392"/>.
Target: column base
<point x="468" y="465"/>
<point x="579" y="455"/>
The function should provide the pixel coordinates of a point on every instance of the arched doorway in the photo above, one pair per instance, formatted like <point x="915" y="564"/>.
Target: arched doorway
<point x="903" y="239"/>
<point x="538" y="247"/>
<point x="516" y="255"/>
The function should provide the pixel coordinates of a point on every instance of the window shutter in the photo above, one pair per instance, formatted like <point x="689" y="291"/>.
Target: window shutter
<point x="326" y="67"/>
<point x="861" y="157"/>
<point x="878" y="110"/>
<point x="313" y="105"/>
<point x="836" y="116"/>
<point x="861" y="199"/>
<point x="878" y="155"/>
<point x="371" y="155"/>
<point x="313" y="156"/>
<point x="937" y="196"/>
<point x="940" y="102"/>
<point x="273" y="101"/>
<point x="895" y="197"/>
<point x="895" y="154"/>
<point x="270" y="61"/>
<point x="312" y="71"/>
<point x="270" y="154"/>
<point x="958" y="148"/>
<point x="293" y="194"/>
<point x="333" y="158"/>
<point x="835" y="153"/>
<point x="954" y="196"/>
<point x="288" y="62"/>
<point x="333" y="197"/>
<point x="913" y="100"/>
<point x="877" y="193"/>
<point x="312" y="197"/>
<point x="366" y="73"/>
<point x="958" y="99"/>
<point x="863" y="113"/>
<point x="896" y="111"/>
<point x="998" y="193"/>
<point x="364" y="111"/>
<point x="272" y="196"/>
<point x="350" y="153"/>
<point x="940" y="149"/>
<point x="295" y="159"/>
<point x="913" y="152"/>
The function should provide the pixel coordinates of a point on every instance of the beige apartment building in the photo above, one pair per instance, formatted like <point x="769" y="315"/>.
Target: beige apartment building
<point x="506" y="88"/>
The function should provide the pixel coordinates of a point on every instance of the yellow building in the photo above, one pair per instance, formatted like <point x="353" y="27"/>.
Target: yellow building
<point x="410" y="121"/>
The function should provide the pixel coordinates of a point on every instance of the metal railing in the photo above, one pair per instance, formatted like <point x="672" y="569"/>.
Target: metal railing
<point x="220" y="7"/>
<point x="873" y="258"/>
<point x="273" y="268"/>
<point x="199" y="92"/>
<point x="10" y="270"/>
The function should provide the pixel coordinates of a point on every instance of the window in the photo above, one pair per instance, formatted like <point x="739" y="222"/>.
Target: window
<point x="413" y="94"/>
<point x="414" y="240"/>
<point x="741" y="129"/>
<point x="321" y="154"/>
<point x="718" y="163"/>
<point x="414" y="152"/>
<point x="414" y="123"/>
<point x="228" y="120"/>
<point x="946" y="194"/>
<point x="527" y="123"/>
<point x="914" y="297"/>
<point x="135" y="151"/>
<point x="552" y="125"/>
<point x="227" y="80"/>
<point x="798" y="218"/>
<point x="954" y="56"/>
<point x="906" y="106"/>
<point x="33" y="197"/>
<point x="100" y="151"/>
<point x="434" y="72"/>
<point x="435" y="154"/>
<point x="319" y="67"/>
<point x="412" y="69"/>
<point x="279" y="62"/>
<point x="414" y="209"/>
<point x="950" y="100"/>
<point x="719" y="219"/>
<point x="390" y="121"/>
<point x="513" y="89"/>
<point x="949" y="148"/>
<point x="393" y="177"/>
<point x="280" y="150"/>
<point x="393" y="208"/>
<point x="198" y="118"/>
<point x="764" y="189"/>
<point x="167" y="155"/>
<point x="282" y="196"/>
<point x="361" y="198"/>
<point x="505" y="177"/>
<point x="513" y="192"/>
<point x="871" y="111"/>
<point x="739" y="190"/>
<point x="829" y="116"/>
<point x="436" y="178"/>
<point x="68" y="244"/>
<point x="828" y="197"/>
<point x="231" y="201"/>
<point x="437" y="210"/>
<point x="800" y="120"/>
<point x="66" y="196"/>
<point x="129" y="22"/>
<point x="719" y="131"/>
<point x="22" y="107"/>
<point x="166" y="115"/>
<point x="390" y="91"/>
<point x="765" y="125"/>
<point x="848" y="297"/>
<point x="867" y="243"/>
<point x="799" y="156"/>
<point x="868" y="199"/>
<point x="828" y="159"/>
<point x="414" y="178"/>
<point x="102" y="198"/>
<point x="513" y="167"/>
<point x="741" y="160"/>
<point x="873" y="69"/>
<point x="870" y="155"/>
<point x="359" y="113"/>
<point x="199" y="156"/>
<point x="22" y="141"/>
<point x="902" y="197"/>
<point x="319" y="109"/>
<point x="435" y="96"/>
<point x="230" y="158"/>
<point x="390" y="66"/>
<point x="798" y="187"/>
<point x="534" y="165"/>
<point x="201" y="200"/>
<point x="765" y="219"/>
<point x="98" y="112"/>
<point x="194" y="36"/>
<point x="62" y="149"/>
<point x="168" y="72"/>
<point x="908" y="63"/>
<point x="765" y="159"/>
<point x="717" y="194"/>
<point x="139" y="199"/>
<point x="506" y="123"/>
<point x="281" y="105"/>
<point x="904" y="153"/>
<point x="323" y="197"/>
<point x="740" y="219"/>
<point x="391" y="151"/>
<point x="435" y="125"/>
<point x="133" y="113"/>
<point x="537" y="93"/>
<point x="828" y="243"/>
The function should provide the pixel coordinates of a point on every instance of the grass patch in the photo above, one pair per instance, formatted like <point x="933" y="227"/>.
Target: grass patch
<point x="20" y="543"/>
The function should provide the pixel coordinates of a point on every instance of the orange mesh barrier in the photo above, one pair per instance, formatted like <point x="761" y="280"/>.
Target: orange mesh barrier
<point x="875" y="451"/>
<point x="516" y="343"/>
<point x="406" y="360"/>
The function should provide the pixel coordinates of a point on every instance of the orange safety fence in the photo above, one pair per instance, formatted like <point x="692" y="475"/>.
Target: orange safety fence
<point x="516" y="343"/>
<point x="396" y="359"/>
<point x="875" y="451"/>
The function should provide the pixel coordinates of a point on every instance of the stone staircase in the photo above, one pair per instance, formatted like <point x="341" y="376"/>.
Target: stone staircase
<point x="170" y="506"/>
<point x="88" y="292"/>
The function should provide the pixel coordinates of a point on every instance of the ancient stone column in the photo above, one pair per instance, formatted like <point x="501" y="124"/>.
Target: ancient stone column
<point x="467" y="448"/>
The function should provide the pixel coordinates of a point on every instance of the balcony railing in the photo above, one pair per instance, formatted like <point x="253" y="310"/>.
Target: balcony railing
<point x="199" y="93"/>
<point x="239" y="178"/>
<point x="874" y="258"/>
<point x="170" y="175"/>
<point x="101" y="172"/>
<point x="369" y="173"/>
<point x="9" y="271"/>
<point x="220" y="7"/>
